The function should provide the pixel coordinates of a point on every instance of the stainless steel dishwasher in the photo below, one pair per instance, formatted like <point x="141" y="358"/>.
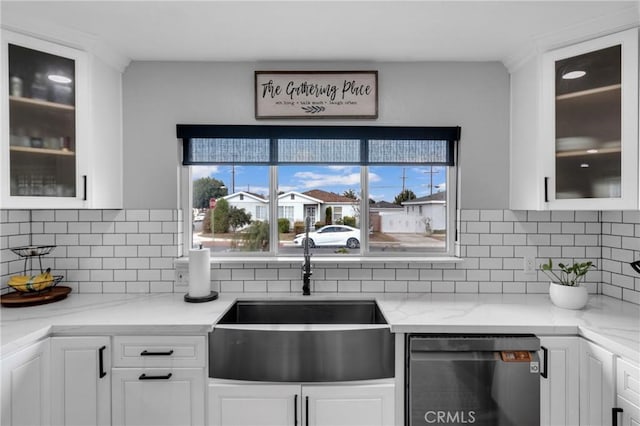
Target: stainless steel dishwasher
<point x="488" y="380"/>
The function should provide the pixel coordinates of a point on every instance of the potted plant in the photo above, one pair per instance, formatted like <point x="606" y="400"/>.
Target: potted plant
<point x="565" y="289"/>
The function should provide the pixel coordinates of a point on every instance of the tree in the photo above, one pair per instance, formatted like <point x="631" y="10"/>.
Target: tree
<point x="350" y="193"/>
<point x="405" y="195"/>
<point x="256" y="237"/>
<point x="206" y="188"/>
<point x="221" y="217"/>
<point x="238" y="218"/>
<point x="328" y="215"/>
<point x="355" y="205"/>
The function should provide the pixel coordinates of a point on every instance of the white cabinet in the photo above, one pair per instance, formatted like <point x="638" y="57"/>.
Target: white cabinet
<point x="559" y="396"/>
<point x="627" y="393"/>
<point x="158" y="396"/>
<point x="307" y="404"/>
<point x="597" y="384"/>
<point x="574" y="129"/>
<point x="158" y="380"/>
<point x="356" y="405"/>
<point x="253" y="404"/>
<point x="61" y="144"/>
<point x="26" y="387"/>
<point x="81" y="380"/>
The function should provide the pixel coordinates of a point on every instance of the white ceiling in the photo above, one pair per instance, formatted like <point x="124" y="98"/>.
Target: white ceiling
<point x="323" y="30"/>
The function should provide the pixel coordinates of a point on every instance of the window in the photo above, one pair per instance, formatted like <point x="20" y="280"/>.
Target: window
<point x="367" y="191"/>
<point x="337" y="214"/>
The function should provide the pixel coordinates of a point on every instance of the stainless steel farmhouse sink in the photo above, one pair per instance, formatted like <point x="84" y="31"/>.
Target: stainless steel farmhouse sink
<point x="301" y="341"/>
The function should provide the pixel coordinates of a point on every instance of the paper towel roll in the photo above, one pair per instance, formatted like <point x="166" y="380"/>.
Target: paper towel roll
<point x="199" y="273"/>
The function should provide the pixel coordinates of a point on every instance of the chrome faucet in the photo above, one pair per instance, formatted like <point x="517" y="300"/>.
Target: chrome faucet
<point x="306" y="265"/>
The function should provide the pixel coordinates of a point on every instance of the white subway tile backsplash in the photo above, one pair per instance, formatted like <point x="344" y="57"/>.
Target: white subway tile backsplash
<point x="126" y="227"/>
<point x="101" y="275"/>
<point x="349" y="286"/>
<point x="478" y="227"/>
<point x="90" y="215"/>
<point x="396" y="286"/>
<point x="103" y="227"/>
<point x="90" y="239"/>
<point x="562" y="216"/>
<point x="443" y="287"/>
<point x="612" y="216"/>
<point x="113" y="215"/>
<point x="489" y="287"/>
<point x="467" y="287"/>
<point x="134" y="251"/>
<point x="138" y="287"/>
<point x="622" y="229"/>
<point x="137" y="215"/>
<point x="502" y="228"/>
<point x="370" y="286"/>
<point x="410" y="274"/>
<point x="90" y="263"/>
<point x="42" y="215"/>
<point x="491" y="239"/>
<point x="491" y="215"/>
<point x="138" y="263"/>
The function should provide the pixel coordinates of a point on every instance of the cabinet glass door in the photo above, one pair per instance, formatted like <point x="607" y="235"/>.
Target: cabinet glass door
<point x="588" y="123"/>
<point x="42" y="123"/>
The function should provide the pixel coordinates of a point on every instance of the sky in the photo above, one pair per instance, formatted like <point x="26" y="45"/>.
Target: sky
<point x="385" y="182"/>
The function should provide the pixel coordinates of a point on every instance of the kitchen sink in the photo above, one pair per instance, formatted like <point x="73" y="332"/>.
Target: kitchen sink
<point x="303" y="312"/>
<point x="302" y="341"/>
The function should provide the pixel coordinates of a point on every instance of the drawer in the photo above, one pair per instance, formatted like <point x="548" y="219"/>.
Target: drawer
<point x="628" y="381"/>
<point x="159" y="351"/>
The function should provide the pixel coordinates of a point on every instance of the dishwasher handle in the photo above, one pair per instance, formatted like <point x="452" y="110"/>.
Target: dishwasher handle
<point x="545" y="363"/>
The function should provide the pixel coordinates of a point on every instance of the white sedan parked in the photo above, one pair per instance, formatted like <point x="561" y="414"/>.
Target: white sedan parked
<point x="331" y="235"/>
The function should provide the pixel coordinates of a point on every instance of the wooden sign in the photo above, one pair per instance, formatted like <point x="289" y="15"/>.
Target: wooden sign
<point x="316" y="94"/>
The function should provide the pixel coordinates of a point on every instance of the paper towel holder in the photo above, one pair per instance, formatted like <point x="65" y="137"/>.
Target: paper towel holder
<point x="212" y="296"/>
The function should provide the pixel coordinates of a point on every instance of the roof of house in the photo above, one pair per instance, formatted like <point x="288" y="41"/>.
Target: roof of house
<point x="384" y="205"/>
<point x="328" y="197"/>
<point x="256" y="197"/>
<point x="438" y="196"/>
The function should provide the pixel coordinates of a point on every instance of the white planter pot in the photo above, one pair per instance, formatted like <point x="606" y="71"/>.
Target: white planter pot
<point x="568" y="297"/>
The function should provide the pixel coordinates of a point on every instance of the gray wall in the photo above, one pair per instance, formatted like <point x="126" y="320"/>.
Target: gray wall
<point x="159" y="95"/>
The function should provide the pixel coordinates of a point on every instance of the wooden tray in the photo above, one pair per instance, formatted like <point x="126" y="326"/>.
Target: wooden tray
<point x="17" y="299"/>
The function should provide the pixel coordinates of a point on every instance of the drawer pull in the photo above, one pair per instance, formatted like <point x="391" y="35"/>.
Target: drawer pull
<point x="147" y="353"/>
<point x="101" y="372"/>
<point x="145" y="377"/>
<point x="614" y="415"/>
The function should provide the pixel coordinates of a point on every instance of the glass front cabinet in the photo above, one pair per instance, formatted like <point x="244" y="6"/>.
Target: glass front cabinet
<point x="44" y="119"/>
<point x="589" y="126"/>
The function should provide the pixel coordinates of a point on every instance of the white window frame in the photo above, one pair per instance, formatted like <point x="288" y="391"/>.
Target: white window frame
<point x="452" y="250"/>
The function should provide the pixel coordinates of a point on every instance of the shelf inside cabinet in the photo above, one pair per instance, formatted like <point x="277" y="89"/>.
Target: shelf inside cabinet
<point x="585" y="152"/>
<point x="601" y="91"/>
<point x="19" y="100"/>
<point x="42" y="151"/>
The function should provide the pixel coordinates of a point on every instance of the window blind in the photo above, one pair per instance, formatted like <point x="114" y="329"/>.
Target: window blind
<point x="358" y="145"/>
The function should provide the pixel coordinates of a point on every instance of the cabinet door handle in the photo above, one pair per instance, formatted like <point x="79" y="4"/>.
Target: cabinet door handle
<point x="145" y="377"/>
<point x="165" y="353"/>
<point x="545" y="364"/>
<point x="84" y="185"/>
<point x="101" y="372"/>
<point x="546" y="189"/>
<point x="306" y="409"/>
<point x="295" y="410"/>
<point x="614" y="415"/>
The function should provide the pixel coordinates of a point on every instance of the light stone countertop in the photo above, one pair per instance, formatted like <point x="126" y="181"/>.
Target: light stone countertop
<point x="612" y="323"/>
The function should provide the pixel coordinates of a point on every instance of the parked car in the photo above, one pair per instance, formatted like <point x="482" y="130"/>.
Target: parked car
<point x="199" y="217"/>
<point x="331" y="235"/>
